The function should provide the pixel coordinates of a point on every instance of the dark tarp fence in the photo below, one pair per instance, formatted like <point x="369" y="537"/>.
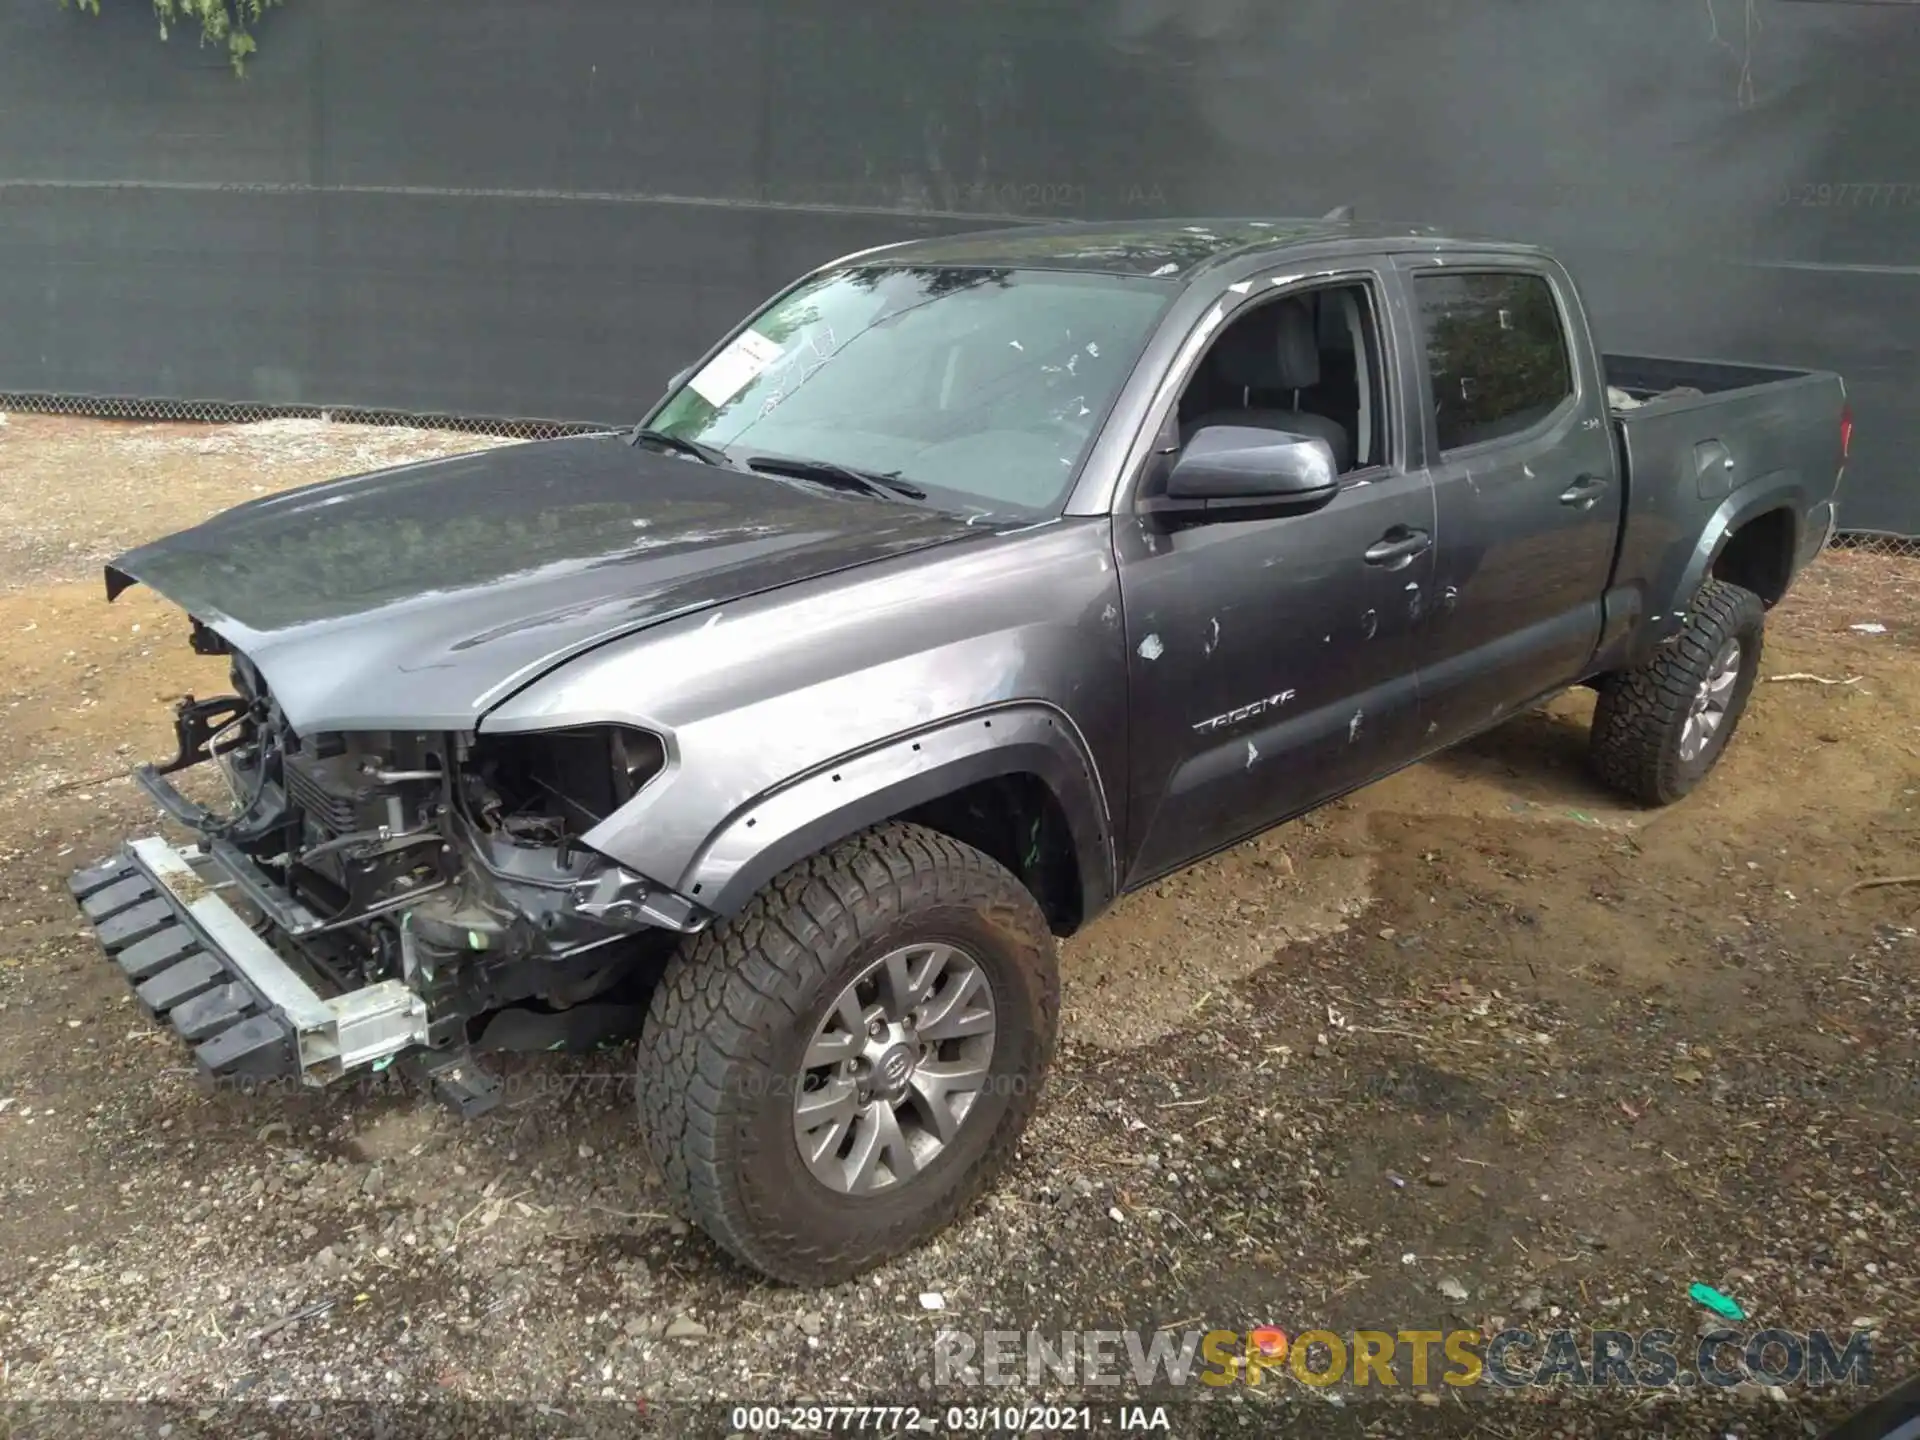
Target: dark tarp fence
<point x="494" y="208"/>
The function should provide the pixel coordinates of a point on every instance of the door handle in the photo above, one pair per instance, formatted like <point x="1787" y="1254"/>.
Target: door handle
<point x="1583" y="492"/>
<point x="1397" y="547"/>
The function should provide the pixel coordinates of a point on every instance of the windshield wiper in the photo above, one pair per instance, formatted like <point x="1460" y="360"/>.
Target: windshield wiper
<point x="708" y="454"/>
<point x="846" y="477"/>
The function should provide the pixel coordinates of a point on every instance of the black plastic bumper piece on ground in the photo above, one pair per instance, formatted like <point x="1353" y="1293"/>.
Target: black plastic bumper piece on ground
<point x="454" y="1078"/>
<point x="181" y="979"/>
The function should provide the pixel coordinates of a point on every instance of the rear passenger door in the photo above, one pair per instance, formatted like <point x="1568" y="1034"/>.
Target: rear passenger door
<point x="1526" y="496"/>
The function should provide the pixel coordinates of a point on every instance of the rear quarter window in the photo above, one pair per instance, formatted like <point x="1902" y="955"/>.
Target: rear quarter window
<point x="1496" y="353"/>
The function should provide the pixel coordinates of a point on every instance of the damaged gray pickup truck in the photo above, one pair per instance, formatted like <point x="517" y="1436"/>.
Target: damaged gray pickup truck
<point x="969" y="584"/>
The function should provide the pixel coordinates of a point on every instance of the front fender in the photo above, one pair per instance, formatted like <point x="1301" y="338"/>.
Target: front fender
<point x="816" y="810"/>
<point x="977" y="654"/>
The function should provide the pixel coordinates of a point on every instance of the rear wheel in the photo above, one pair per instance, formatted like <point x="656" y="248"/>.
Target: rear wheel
<point x="829" y="1078"/>
<point x="1660" y="728"/>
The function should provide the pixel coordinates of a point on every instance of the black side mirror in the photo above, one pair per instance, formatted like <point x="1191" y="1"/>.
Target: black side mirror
<point x="1228" y="472"/>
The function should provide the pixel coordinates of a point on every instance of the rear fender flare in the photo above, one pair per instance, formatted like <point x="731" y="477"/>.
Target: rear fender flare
<point x="1779" y="491"/>
<point x="814" y="811"/>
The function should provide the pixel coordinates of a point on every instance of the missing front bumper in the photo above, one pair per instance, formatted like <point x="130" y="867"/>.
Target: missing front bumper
<point x="196" y="965"/>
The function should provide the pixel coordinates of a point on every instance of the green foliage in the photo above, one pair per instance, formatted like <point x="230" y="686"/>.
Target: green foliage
<point x="221" y="22"/>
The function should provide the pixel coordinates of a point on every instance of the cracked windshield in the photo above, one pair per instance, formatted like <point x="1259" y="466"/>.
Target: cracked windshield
<point x="979" y="388"/>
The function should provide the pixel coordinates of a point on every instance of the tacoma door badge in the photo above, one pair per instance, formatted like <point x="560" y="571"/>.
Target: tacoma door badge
<point x="1245" y="712"/>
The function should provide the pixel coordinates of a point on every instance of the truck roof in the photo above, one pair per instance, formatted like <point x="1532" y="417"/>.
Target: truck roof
<point x="1165" y="248"/>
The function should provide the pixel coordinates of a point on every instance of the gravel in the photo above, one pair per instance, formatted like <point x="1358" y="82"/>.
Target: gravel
<point x="1608" y="1054"/>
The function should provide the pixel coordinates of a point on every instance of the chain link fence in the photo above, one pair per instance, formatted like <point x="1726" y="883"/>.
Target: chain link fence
<point x="1875" y="542"/>
<point x="215" y="412"/>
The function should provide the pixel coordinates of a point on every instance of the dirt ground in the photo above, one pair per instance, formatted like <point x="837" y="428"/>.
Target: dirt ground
<point x="1482" y="1045"/>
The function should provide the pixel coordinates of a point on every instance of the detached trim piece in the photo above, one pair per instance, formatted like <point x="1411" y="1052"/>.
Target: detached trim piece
<point x="197" y="965"/>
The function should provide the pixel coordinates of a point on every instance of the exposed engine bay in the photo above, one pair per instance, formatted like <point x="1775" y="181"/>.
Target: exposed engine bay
<point x="447" y="862"/>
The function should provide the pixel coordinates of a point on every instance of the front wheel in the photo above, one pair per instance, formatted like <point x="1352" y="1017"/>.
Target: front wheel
<point x="829" y="1078"/>
<point x="1659" y="728"/>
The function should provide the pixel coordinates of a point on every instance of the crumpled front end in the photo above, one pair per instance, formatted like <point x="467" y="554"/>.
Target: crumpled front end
<point x="353" y="900"/>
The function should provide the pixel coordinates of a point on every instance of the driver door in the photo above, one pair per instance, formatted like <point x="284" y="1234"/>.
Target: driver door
<point x="1273" y="660"/>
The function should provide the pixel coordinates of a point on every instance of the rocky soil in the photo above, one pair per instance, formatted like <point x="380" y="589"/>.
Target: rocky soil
<point x="1481" y="1046"/>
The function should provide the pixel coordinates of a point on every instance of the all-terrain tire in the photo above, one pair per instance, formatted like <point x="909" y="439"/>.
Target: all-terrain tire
<point x="733" y="1014"/>
<point x="1641" y="718"/>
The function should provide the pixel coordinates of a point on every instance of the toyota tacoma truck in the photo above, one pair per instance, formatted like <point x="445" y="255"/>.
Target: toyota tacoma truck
<point x="967" y="585"/>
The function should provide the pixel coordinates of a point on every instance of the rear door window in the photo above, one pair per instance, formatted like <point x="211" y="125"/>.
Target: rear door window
<point x="1496" y="353"/>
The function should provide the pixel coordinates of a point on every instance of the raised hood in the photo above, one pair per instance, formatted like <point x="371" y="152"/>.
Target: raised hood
<point x="417" y="598"/>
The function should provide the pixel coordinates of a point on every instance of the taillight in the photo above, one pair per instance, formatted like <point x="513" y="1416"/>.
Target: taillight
<point x="1846" y="430"/>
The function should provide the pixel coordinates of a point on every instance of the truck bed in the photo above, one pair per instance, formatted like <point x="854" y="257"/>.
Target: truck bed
<point x="1645" y="378"/>
<point x="1696" y="431"/>
<point x="1696" y="437"/>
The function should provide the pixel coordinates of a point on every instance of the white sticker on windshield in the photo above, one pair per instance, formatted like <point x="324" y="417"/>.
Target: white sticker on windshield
<point x="735" y="367"/>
